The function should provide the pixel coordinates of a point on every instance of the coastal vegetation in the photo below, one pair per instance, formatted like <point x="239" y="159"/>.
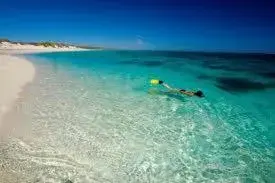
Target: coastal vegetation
<point x="49" y="44"/>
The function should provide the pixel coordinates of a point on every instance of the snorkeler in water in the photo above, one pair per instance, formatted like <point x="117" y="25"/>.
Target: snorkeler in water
<point x="181" y="91"/>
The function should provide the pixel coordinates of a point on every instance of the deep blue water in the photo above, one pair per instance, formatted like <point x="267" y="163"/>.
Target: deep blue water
<point x="100" y="109"/>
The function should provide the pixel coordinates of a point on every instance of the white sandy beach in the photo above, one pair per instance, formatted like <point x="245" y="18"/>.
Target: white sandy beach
<point x="16" y="72"/>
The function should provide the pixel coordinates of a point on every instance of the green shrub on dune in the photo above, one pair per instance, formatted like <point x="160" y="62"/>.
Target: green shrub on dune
<point x="47" y="44"/>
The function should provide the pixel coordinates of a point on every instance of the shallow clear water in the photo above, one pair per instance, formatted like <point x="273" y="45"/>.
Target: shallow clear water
<point x="95" y="117"/>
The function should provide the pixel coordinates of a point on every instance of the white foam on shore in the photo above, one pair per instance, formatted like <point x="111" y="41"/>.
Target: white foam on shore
<point x="38" y="50"/>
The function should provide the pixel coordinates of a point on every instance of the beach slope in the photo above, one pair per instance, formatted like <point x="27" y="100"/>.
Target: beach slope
<point x="15" y="73"/>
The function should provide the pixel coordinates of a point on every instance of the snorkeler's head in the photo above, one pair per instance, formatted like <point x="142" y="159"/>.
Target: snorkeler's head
<point x="199" y="93"/>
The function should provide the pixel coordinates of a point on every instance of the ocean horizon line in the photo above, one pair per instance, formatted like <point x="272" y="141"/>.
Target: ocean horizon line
<point x="195" y="51"/>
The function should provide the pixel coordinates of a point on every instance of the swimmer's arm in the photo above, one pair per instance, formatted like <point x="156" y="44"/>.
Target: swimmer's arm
<point x="170" y="88"/>
<point x="167" y="86"/>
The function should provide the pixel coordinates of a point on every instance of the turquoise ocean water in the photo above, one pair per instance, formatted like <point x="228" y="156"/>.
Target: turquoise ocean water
<point x="95" y="117"/>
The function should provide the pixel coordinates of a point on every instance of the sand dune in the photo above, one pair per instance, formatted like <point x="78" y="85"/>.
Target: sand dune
<point x="16" y="48"/>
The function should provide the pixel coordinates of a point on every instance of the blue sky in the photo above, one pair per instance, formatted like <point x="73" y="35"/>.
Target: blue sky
<point x="144" y="24"/>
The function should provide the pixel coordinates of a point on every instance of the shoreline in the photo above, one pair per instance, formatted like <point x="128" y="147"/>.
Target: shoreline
<point x="44" y="50"/>
<point x="16" y="72"/>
